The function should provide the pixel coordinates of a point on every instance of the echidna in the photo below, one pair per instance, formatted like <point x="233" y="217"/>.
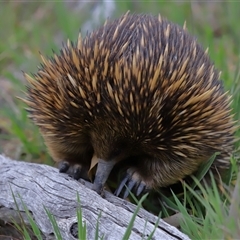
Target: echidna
<point x="138" y="91"/>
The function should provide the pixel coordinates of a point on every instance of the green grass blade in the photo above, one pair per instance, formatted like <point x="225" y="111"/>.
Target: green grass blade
<point x="33" y="225"/>
<point x="203" y="170"/>
<point x="130" y="225"/>
<point x="82" y="229"/>
<point x="54" y="225"/>
<point x="97" y="227"/>
<point x="155" y="227"/>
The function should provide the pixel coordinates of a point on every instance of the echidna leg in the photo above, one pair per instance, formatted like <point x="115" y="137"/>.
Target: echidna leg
<point x="103" y="170"/>
<point x="132" y="182"/>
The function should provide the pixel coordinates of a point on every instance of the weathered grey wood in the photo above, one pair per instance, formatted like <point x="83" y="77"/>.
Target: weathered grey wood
<point x="43" y="186"/>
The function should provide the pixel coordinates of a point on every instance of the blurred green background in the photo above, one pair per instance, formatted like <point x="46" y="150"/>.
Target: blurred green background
<point x="27" y="28"/>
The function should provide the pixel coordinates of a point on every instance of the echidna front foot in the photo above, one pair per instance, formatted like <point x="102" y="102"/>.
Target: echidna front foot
<point x="63" y="166"/>
<point x="133" y="181"/>
<point x="75" y="171"/>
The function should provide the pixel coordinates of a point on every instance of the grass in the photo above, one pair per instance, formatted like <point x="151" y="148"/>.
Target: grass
<point x="82" y="228"/>
<point x="30" y="27"/>
<point x="217" y="214"/>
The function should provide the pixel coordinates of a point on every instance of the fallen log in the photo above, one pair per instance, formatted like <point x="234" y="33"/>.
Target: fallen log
<point x="42" y="187"/>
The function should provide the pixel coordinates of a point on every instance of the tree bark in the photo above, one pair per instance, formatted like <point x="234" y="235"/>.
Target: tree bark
<point x="41" y="186"/>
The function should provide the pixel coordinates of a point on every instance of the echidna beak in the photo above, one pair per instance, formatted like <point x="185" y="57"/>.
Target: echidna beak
<point x="103" y="170"/>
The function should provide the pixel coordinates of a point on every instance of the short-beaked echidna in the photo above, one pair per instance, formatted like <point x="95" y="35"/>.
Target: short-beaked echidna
<point x="139" y="90"/>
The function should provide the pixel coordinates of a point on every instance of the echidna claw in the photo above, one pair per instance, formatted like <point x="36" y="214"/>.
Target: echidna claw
<point x="77" y="171"/>
<point x="63" y="166"/>
<point x="122" y="184"/>
<point x="142" y="188"/>
<point x="137" y="185"/>
<point x="74" y="171"/>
